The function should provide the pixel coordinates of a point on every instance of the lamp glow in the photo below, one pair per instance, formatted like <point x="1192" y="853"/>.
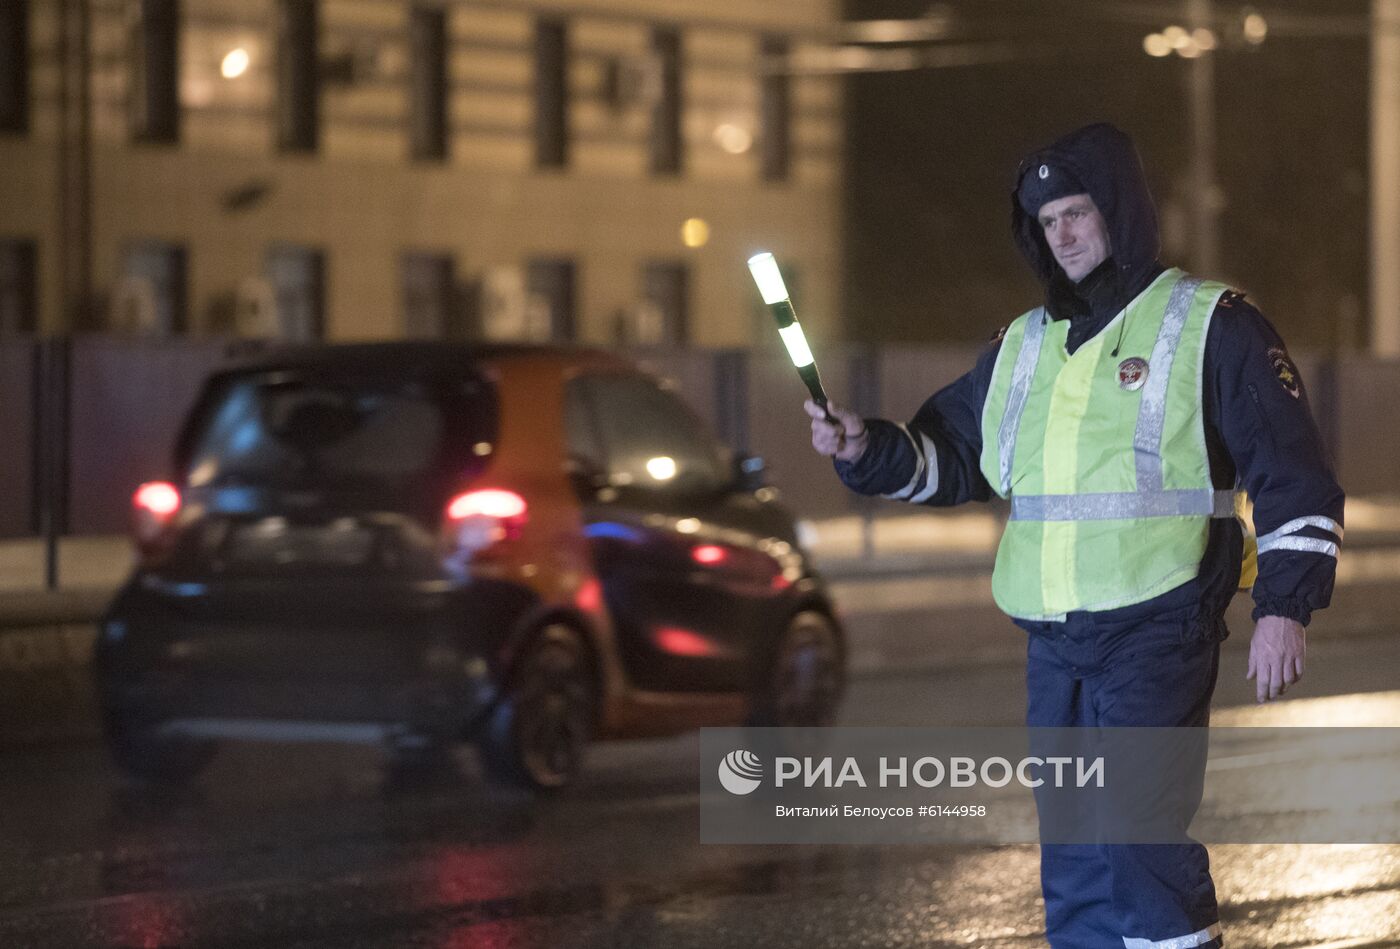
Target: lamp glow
<point x="770" y="281"/>
<point x="235" y="63"/>
<point x="662" y="467"/>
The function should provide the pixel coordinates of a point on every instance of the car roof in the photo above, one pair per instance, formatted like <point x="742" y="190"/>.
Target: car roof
<point x="403" y="356"/>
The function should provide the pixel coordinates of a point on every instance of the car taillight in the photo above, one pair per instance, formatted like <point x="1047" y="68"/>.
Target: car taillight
<point x="480" y="518"/>
<point x="709" y="554"/>
<point x="154" y="506"/>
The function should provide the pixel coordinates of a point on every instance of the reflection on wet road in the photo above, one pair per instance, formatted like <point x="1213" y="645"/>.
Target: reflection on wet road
<point x="315" y="847"/>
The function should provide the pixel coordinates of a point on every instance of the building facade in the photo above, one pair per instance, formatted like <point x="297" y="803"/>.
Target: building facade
<point x="359" y="169"/>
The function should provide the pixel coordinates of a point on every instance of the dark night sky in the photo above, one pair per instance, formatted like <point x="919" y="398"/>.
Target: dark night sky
<point x="932" y="154"/>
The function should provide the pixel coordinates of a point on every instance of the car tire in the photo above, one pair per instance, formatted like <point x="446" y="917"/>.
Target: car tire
<point x="805" y="677"/>
<point x="536" y="734"/>
<point x="149" y="757"/>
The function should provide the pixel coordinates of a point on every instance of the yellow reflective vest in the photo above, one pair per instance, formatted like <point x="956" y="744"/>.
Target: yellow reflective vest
<point x="1102" y="454"/>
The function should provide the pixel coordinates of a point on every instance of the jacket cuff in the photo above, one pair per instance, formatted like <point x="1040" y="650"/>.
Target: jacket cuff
<point x="1287" y="607"/>
<point x="867" y="474"/>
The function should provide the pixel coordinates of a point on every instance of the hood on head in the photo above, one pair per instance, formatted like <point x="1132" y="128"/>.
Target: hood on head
<point x="1104" y="159"/>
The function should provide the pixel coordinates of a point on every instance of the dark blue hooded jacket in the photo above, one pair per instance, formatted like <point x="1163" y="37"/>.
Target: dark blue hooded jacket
<point x="1260" y="434"/>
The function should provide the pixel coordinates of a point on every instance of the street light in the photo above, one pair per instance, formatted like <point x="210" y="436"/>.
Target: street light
<point x="235" y="63"/>
<point x="1176" y="39"/>
<point x="1256" y="28"/>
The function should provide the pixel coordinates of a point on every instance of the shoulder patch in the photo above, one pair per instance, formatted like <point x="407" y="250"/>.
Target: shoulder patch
<point x="999" y="335"/>
<point x="1229" y="298"/>
<point x="1284" y="370"/>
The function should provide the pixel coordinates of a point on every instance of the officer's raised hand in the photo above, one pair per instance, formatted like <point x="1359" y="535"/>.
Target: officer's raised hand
<point x="845" y="439"/>
<point x="1276" y="656"/>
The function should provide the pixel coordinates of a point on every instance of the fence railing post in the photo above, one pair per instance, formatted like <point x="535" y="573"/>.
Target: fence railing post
<point x="52" y="403"/>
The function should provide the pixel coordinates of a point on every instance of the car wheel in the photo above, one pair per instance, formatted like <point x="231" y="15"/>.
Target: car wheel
<point x="805" y="678"/>
<point x="536" y="735"/>
<point x="142" y="753"/>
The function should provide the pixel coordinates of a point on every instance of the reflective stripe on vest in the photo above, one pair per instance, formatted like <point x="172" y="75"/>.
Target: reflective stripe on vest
<point x="1021" y="375"/>
<point x="1122" y="505"/>
<point x="1152" y="411"/>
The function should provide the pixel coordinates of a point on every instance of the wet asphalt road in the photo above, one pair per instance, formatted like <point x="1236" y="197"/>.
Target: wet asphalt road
<point x="306" y="846"/>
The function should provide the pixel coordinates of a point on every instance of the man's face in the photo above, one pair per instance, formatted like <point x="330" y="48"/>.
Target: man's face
<point x="1076" y="233"/>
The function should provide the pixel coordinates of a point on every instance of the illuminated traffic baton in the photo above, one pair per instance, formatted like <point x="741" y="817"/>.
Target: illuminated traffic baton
<point x="770" y="284"/>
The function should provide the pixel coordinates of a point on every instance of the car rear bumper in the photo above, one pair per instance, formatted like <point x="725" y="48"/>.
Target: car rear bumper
<point x="443" y="708"/>
<point x="167" y="662"/>
<point x="278" y="730"/>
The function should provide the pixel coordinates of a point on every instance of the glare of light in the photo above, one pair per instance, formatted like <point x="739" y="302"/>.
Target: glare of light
<point x="695" y="232"/>
<point x="1189" y="51"/>
<point x="662" y="468"/>
<point x="159" y="497"/>
<point x="764" y="268"/>
<point x="1204" y="38"/>
<point x="1176" y="36"/>
<point x="489" y="502"/>
<point x="683" y="642"/>
<point x="708" y="554"/>
<point x="796" y="342"/>
<point x="688" y="525"/>
<point x="1155" y="44"/>
<point x="589" y="596"/>
<point x="735" y="139"/>
<point x="481" y="449"/>
<point x="235" y="63"/>
<point x="1256" y="28"/>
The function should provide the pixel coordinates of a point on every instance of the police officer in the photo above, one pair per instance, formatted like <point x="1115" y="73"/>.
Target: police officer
<point x="1119" y="419"/>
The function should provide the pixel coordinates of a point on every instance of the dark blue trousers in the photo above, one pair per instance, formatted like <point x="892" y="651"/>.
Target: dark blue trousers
<point x="1159" y="672"/>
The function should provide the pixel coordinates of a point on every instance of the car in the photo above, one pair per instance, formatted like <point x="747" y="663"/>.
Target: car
<point x="525" y="548"/>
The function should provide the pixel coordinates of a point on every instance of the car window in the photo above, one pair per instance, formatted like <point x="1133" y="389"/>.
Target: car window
<point x="649" y="438"/>
<point x="584" y="440"/>
<point x="274" y="430"/>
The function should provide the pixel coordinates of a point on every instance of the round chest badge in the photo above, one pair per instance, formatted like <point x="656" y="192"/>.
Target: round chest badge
<point x="1044" y="172"/>
<point x="1132" y="373"/>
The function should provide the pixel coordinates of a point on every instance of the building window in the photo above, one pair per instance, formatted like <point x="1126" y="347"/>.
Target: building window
<point x="663" y="316"/>
<point x="19" y="310"/>
<point x="149" y="298"/>
<point x="775" y="110"/>
<point x="298" y="81"/>
<point x="14" y="66"/>
<point x="429" y="297"/>
<point x="551" y="93"/>
<point x="549" y="286"/>
<point x="428" y="113"/>
<point x="666" y="153"/>
<point x="155" y="72"/>
<point x="298" y="278"/>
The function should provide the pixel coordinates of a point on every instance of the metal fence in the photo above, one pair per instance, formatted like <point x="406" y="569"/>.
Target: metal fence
<point x="111" y="423"/>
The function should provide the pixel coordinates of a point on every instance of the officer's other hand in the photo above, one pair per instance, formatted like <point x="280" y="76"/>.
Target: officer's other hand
<point x="845" y="439"/>
<point x="1276" y="656"/>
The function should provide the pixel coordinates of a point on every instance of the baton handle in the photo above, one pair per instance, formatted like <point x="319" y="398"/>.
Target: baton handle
<point x="813" y="380"/>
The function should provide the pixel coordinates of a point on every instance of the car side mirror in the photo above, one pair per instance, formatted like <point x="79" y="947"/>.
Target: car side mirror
<point x="750" y="473"/>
